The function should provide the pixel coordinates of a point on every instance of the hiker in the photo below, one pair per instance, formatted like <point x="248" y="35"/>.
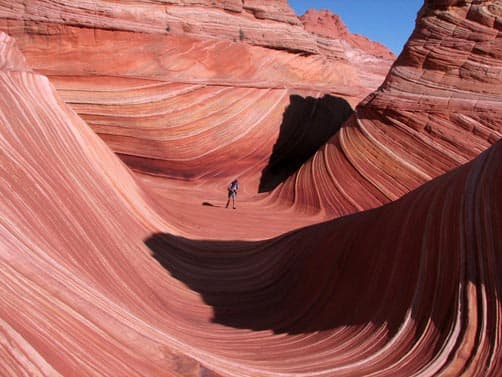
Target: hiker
<point x="232" y="192"/>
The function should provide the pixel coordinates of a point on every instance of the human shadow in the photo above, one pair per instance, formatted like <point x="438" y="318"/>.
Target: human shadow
<point x="209" y="204"/>
<point x="307" y="124"/>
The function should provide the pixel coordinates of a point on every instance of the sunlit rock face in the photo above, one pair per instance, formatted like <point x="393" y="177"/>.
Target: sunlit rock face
<point x="181" y="101"/>
<point x="72" y="220"/>
<point x="104" y="271"/>
<point x="10" y="57"/>
<point x="439" y="107"/>
<point x="326" y="24"/>
<point x="266" y="23"/>
<point x="336" y="41"/>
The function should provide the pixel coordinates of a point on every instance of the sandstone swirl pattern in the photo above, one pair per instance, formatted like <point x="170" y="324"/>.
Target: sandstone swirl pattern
<point x="439" y="107"/>
<point x="175" y="105"/>
<point x="100" y="277"/>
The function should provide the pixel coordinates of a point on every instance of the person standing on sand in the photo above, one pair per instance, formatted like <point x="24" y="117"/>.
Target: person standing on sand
<point x="232" y="192"/>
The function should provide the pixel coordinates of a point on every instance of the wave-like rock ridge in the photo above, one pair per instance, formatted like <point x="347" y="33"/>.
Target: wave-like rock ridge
<point x="380" y="255"/>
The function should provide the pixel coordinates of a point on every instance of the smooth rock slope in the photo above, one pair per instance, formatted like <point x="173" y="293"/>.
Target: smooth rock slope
<point x="219" y="91"/>
<point x="439" y="107"/>
<point x="380" y="255"/>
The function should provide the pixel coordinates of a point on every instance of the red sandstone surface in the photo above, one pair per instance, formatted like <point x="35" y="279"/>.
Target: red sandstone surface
<point x="329" y="28"/>
<point x="380" y="255"/>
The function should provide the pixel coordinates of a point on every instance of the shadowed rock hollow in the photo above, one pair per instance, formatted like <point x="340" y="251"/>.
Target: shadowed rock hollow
<point x="377" y="251"/>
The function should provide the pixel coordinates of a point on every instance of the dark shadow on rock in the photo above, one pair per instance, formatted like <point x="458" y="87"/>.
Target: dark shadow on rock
<point x="308" y="123"/>
<point x="360" y="275"/>
<point x="369" y="269"/>
<point x="208" y="204"/>
<point x="309" y="280"/>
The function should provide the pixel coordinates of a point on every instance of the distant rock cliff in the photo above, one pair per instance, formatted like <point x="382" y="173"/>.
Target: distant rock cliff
<point x="337" y="42"/>
<point x="328" y="26"/>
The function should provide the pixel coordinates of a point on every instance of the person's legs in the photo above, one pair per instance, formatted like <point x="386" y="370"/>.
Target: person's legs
<point x="231" y="195"/>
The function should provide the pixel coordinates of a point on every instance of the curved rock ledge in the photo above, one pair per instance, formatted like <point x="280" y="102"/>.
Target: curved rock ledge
<point x="439" y="107"/>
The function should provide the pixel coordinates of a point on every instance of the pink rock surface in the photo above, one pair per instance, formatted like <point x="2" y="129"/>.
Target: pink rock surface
<point x="334" y="40"/>
<point x="73" y="221"/>
<point x="104" y="271"/>
<point x="439" y="107"/>
<point x="146" y="93"/>
<point x="263" y="23"/>
<point x="10" y="57"/>
<point x="329" y="26"/>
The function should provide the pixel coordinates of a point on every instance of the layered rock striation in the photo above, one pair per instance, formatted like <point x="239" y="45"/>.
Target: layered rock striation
<point x="146" y="90"/>
<point x="439" y="107"/>
<point x="263" y="23"/>
<point x="69" y="216"/>
<point x="336" y="41"/>
<point x="94" y="282"/>
<point x="271" y="24"/>
<point x="379" y="256"/>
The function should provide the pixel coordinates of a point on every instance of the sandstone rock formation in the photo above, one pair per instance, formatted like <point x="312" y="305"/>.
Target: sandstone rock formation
<point x="10" y="57"/>
<point x="68" y="205"/>
<point x="334" y="40"/>
<point x="250" y="21"/>
<point x="326" y="24"/>
<point x="145" y="91"/>
<point x="439" y="107"/>
<point x="109" y="271"/>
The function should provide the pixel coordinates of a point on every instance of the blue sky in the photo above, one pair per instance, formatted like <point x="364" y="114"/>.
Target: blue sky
<point x="389" y="22"/>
